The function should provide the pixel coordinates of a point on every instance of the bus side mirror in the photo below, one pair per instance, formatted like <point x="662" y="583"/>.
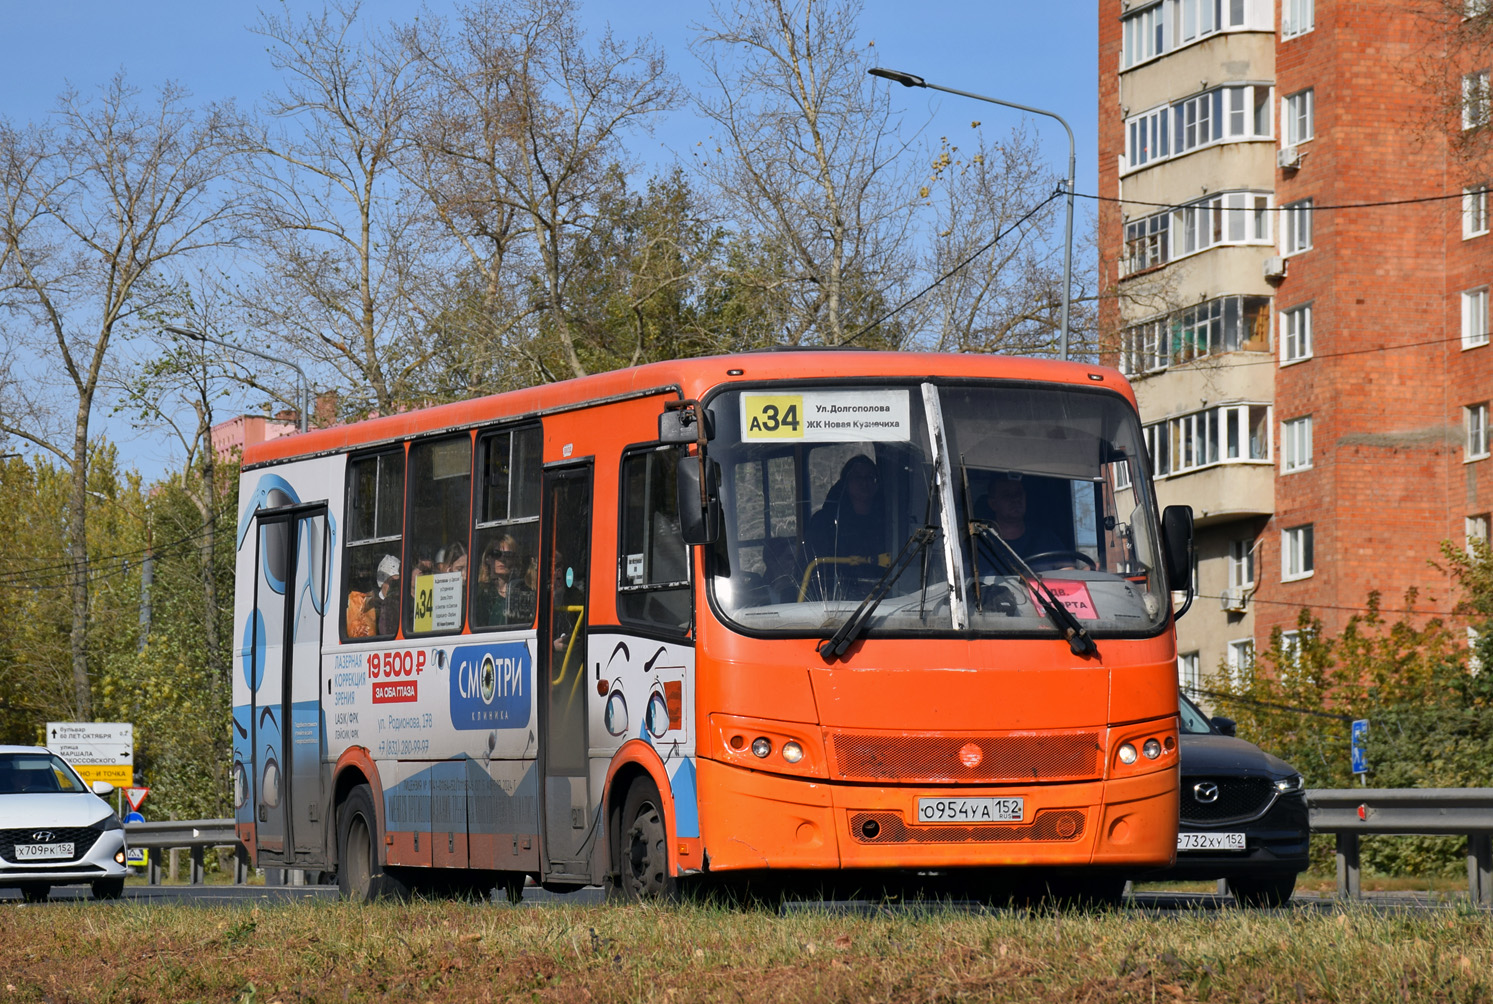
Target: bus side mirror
<point x="699" y="504"/>
<point x="679" y="423"/>
<point x="1176" y="543"/>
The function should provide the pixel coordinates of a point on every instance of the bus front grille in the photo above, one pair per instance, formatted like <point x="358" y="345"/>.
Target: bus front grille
<point x="891" y="828"/>
<point x="986" y="759"/>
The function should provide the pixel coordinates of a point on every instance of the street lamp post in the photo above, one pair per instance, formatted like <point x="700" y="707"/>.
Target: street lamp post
<point x="303" y="386"/>
<point x="911" y="80"/>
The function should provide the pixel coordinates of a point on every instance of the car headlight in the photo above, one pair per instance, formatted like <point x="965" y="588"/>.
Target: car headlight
<point x="109" y="822"/>
<point x="1287" y="785"/>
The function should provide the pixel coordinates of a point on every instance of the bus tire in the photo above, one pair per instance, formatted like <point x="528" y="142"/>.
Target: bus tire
<point x="643" y="843"/>
<point x="360" y="877"/>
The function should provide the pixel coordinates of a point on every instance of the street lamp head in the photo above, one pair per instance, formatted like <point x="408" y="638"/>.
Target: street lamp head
<point x="897" y="76"/>
<point x="195" y="336"/>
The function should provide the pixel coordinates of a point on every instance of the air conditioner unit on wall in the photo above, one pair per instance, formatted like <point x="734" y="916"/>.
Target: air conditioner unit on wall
<point x="1275" y="267"/>
<point x="1234" y="600"/>
<point x="1288" y="158"/>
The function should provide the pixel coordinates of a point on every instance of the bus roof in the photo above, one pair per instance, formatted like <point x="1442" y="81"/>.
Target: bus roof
<point x="691" y="378"/>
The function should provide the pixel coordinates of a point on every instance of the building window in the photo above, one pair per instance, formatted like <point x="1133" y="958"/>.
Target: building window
<point x="1476" y="528"/>
<point x="1296" y="227"/>
<point x="1475" y="418"/>
<point x="1240" y="659"/>
<point x="1189" y="672"/>
<point x="1162" y="27"/>
<point x="1475" y="211"/>
<point x="1296" y="333"/>
<point x="1296" y="444"/>
<point x="1224" y="218"/>
<point x="1290" y="648"/>
<point x="1227" y="324"/>
<point x="1474" y="99"/>
<point x="1296" y="118"/>
<point x="1242" y="564"/>
<point x="1296" y="558"/>
<point x="1230" y="434"/>
<point x="1475" y="318"/>
<point x="1297" y="17"/>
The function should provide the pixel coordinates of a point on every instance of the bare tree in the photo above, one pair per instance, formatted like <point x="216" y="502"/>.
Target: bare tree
<point x="95" y="204"/>
<point x="521" y="153"/>
<point x="809" y="161"/>
<point x="347" y="260"/>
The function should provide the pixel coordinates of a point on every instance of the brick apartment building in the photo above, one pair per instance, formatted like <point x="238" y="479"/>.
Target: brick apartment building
<point x="1314" y="380"/>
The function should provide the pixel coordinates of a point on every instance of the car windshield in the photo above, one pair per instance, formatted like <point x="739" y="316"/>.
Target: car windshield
<point x="1194" y="722"/>
<point x="28" y="773"/>
<point x="824" y="489"/>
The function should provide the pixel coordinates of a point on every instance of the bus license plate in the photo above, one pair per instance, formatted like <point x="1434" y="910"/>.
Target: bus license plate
<point x="41" y="852"/>
<point x="1210" y="841"/>
<point x="970" y="810"/>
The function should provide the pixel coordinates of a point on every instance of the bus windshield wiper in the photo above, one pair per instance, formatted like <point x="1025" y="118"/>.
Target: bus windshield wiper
<point x="1080" y="642"/>
<point x="835" y="645"/>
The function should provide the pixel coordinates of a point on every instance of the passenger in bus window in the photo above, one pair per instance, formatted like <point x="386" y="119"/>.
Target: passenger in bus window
<point x="503" y="596"/>
<point x="852" y="521"/>
<point x="386" y="596"/>
<point x="453" y="559"/>
<point x="1004" y="507"/>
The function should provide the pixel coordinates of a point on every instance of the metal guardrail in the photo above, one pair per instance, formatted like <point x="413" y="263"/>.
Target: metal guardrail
<point x="1353" y="812"/>
<point x="197" y="835"/>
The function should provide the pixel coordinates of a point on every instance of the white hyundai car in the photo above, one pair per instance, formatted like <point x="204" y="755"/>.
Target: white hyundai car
<point x="55" y="829"/>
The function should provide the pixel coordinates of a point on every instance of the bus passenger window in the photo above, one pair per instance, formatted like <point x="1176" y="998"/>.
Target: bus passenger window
<point x="653" y="568"/>
<point x="505" y="538"/>
<point x="371" y="554"/>
<point x="435" y="575"/>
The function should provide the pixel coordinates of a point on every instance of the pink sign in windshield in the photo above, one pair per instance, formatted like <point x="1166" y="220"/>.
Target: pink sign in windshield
<point x="1074" y="596"/>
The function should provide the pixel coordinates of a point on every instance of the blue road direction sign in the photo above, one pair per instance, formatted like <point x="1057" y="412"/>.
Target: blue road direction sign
<point x="1359" y="741"/>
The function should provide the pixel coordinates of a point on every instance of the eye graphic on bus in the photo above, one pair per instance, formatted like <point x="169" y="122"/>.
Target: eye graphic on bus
<point x="316" y="561"/>
<point x="657" y="716"/>
<point x="252" y="649"/>
<point x="269" y="791"/>
<point x="272" y="543"/>
<point x="240" y="784"/>
<point x="616" y="713"/>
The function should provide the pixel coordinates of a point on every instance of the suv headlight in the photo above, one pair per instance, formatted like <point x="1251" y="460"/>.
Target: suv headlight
<point x="1286" y="785"/>
<point x="109" y="822"/>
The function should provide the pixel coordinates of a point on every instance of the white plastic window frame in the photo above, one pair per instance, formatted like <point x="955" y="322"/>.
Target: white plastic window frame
<point x="1295" y="561"/>
<point x="1474" y="211"/>
<point x="1298" y="117"/>
<point x="1475" y="422"/>
<point x="1475" y="317"/>
<point x="1296" y="445"/>
<point x="1295" y="334"/>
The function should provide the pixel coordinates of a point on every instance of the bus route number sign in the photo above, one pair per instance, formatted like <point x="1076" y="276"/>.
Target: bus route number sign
<point x="870" y="415"/>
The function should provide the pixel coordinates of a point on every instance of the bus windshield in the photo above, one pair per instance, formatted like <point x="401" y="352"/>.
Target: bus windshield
<point x="966" y="507"/>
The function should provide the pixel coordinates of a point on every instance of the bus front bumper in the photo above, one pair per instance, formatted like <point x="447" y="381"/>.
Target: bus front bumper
<point x="755" y="820"/>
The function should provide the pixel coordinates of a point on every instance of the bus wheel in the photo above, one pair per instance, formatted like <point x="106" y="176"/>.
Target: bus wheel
<point x="644" y="845"/>
<point x="359" y="875"/>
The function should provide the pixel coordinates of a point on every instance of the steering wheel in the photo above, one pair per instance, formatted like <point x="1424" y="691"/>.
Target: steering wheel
<point x="1063" y="558"/>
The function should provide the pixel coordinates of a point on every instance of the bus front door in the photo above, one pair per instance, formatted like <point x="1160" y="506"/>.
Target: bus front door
<point x="567" y="820"/>
<point x="286" y="732"/>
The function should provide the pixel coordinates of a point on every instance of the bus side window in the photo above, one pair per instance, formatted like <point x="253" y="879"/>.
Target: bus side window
<point x="505" y="537"/>
<point x="436" y="576"/>
<point x="653" y="569"/>
<point x="371" y="555"/>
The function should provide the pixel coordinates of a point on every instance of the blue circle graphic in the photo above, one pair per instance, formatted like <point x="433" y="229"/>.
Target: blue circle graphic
<point x="253" y="651"/>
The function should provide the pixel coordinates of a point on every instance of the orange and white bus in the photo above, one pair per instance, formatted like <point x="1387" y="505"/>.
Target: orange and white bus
<point x="793" y="611"/>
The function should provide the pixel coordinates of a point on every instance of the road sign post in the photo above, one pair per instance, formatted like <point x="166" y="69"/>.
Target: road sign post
<point x="98" y="751"/>
<point x="1358" y="744"/>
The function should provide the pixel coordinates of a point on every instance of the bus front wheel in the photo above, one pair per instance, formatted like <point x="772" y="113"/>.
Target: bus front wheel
<point x="360" y="877"/>
<point x="644" y="845"/>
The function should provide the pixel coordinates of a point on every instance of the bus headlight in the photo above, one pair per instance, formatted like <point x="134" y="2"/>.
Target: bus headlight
<point x="1151" y="749"/>
<point x="761" y="747"/>
<point x="1127" y="754"/>
<point x="793" y="752"/>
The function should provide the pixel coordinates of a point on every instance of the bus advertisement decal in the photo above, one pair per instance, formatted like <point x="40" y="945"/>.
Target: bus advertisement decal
<point x="491" y="686"/>
<point x="840" y="416"/>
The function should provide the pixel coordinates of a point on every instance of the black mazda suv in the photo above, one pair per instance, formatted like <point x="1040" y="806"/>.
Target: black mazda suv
<point x="1243" y="814"/>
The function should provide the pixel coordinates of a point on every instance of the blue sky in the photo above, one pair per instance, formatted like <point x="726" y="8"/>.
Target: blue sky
<point x="1042" y="55"/>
